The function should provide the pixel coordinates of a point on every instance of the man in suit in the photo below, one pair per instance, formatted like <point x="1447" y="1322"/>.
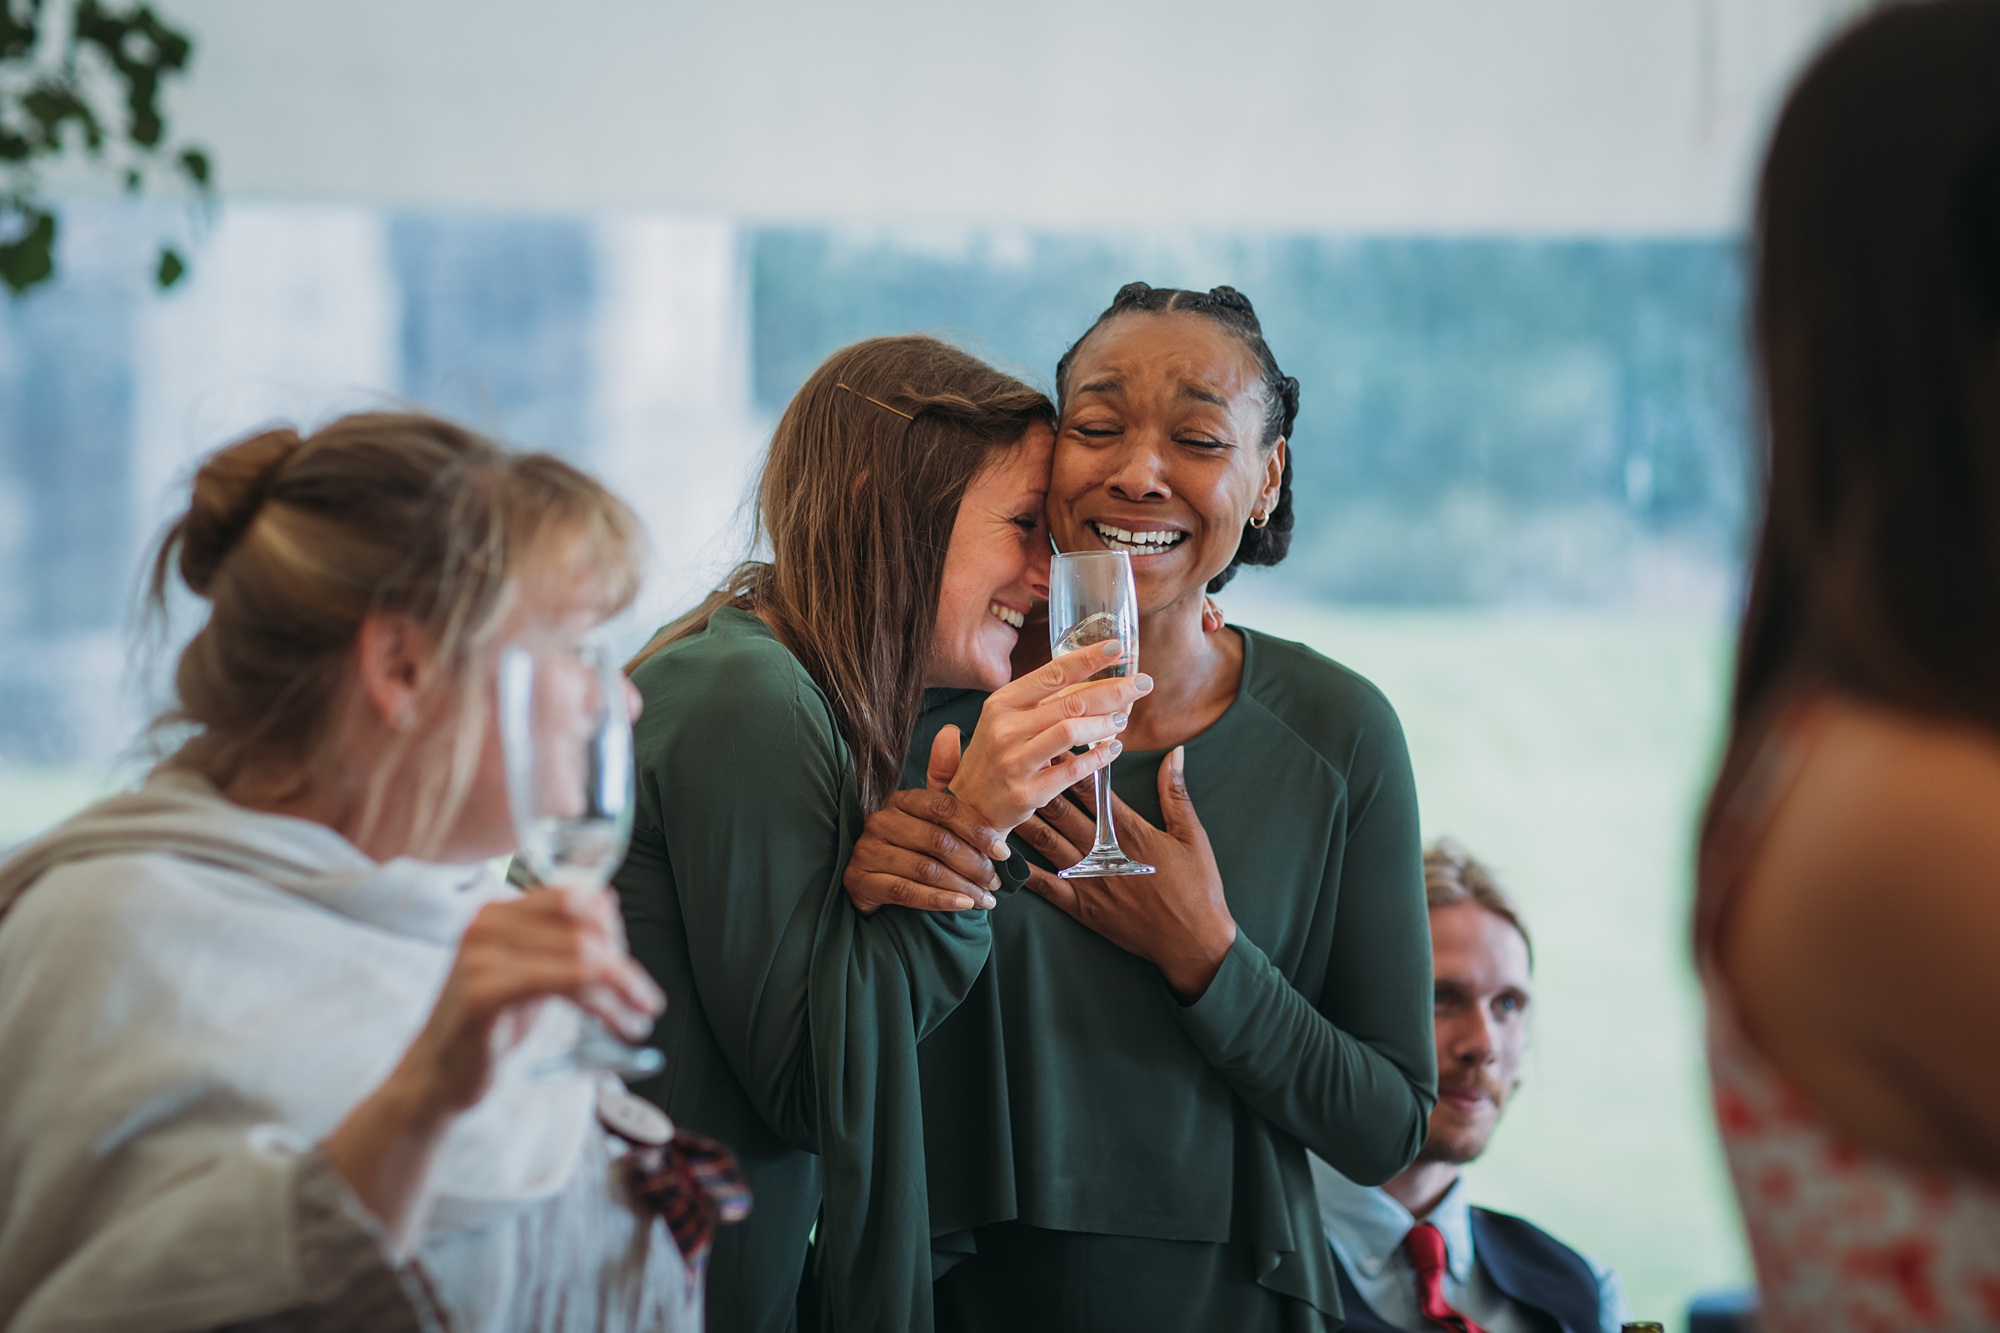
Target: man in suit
<point x="1414" y="1255"/>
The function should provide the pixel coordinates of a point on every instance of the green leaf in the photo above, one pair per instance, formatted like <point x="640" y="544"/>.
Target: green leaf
<point x="18" y="27"/>
<point x="195" y="163"/>
<point x="172" y="268"/>
<point x="30" y="259"/>
<point x="133" y="180"/>
<point x="146" y="127"/>
<point x="171" y="46"/>
<point x="52" y="105"/>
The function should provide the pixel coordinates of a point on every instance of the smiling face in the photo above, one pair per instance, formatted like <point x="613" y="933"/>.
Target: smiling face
<point x="995" y="569"/>
<point x="1481" y="971"/>
<point x="1161" y="452"/>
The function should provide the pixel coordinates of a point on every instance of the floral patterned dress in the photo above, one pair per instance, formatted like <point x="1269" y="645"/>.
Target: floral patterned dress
<point x="1846" y="1239"/>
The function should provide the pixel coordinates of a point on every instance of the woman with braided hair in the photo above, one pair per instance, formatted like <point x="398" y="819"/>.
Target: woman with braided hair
<point x="1117" y="1118"/>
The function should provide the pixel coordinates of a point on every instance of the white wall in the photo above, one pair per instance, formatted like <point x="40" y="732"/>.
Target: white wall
<point x="1546" y="116"/>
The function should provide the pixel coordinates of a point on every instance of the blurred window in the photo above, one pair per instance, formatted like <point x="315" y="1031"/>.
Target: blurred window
<point x="1520" y="472"/>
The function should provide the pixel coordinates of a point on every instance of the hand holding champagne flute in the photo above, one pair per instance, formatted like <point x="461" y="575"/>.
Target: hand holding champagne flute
<point x="1037" y="737"/>
<point x="566" y="724"/>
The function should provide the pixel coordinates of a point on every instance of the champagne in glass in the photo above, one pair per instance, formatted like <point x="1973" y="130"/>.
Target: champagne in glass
<point x="1092" y="600"/>
<point x="567" y="734"/>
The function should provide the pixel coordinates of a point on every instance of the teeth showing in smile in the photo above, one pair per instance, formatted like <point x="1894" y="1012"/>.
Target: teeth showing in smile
<point x="1138" y="543"/>
<point x="1008" y="614"/>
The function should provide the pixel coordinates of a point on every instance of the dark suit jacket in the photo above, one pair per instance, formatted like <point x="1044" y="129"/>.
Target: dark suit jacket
<point x="1548" y="1279"/>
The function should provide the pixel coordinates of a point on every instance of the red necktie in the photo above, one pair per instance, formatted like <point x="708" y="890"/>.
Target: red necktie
<point x="1426" y="1246"/>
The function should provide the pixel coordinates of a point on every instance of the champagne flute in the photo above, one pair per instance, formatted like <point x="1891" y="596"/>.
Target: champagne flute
<point x="1092" y="600"/>
<point x="567" y="733"/>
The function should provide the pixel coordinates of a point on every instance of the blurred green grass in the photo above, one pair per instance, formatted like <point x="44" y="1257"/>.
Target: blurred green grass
<point x="1570" y="752"/>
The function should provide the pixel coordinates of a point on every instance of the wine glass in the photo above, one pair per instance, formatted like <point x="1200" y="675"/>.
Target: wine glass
<point x="1091" y="600"/>
<point x="567" y="733"/>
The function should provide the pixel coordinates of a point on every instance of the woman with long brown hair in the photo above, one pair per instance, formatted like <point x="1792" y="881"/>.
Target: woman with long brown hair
<point x="1847" y="926"/>
<point x="276" y="1047"/>
<point x="902" y="503"/>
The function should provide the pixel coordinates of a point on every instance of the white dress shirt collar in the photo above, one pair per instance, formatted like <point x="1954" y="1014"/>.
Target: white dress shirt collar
<point x="1367" y="1225"/>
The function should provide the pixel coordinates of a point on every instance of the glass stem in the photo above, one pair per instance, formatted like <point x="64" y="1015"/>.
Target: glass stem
<point x="1107" y="837"/>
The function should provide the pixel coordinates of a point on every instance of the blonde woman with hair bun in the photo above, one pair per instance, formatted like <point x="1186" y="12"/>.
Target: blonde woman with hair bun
<point x="277" y="1051"/>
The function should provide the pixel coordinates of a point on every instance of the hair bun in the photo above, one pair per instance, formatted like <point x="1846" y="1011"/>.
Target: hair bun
<point x="229" y="490"/>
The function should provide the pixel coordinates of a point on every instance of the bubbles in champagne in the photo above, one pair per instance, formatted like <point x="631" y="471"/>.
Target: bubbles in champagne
<point x="1100" y="627"/>
<point x="1091" y="629"/>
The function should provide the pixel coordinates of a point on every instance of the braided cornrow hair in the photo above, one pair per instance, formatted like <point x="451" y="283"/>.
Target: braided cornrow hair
<point x="1232" y="310"/>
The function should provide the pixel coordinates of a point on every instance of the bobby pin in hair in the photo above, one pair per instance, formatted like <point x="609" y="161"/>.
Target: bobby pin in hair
<point x="877" y="401"/>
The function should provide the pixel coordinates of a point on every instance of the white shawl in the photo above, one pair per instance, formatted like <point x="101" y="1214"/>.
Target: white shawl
<point x="191" y="995"/>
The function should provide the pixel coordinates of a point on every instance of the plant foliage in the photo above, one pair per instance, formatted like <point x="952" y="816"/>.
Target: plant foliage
<point x="84" y="79"/>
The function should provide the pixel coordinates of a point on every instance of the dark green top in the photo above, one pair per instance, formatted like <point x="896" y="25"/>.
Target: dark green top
<point x="1072" y="1091"/>
<point x="792" y="1022"/>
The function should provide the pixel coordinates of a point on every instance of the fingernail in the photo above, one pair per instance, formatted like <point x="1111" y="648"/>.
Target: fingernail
<point x="1115" y="747"/>
<point x="1144" y="682"/>
<point x="988" y="901"/>
<point x="1180" y="760"/>
<point x="1119" y="720"/>
<point x="1112" y="647"/>
<point x="960" y="902"/>
<point x="998" y="852"/>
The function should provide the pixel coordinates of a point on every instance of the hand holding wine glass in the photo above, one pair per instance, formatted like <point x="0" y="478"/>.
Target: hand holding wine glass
<point x="566" y="726"/>
<point x="1041" y="734"/>
<point x="1037" y="736"/>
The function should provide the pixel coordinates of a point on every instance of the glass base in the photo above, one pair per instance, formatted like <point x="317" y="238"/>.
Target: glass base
<point x="1103" y="862"/>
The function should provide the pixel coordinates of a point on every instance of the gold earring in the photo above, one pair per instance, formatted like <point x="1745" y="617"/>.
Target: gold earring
<point x="1259" y="520"/>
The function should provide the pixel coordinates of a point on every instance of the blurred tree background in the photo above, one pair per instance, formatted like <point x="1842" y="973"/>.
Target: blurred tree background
<point x="80" y="87"/>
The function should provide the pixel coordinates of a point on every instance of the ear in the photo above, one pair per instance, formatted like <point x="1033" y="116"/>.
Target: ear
<point x="1274" y="477"/>
<point x="393" y="660"/>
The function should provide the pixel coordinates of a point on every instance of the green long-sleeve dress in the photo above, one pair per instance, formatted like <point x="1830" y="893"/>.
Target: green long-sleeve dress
<point x="1102" y="1157"/>
<point x="792" y="1022"/>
